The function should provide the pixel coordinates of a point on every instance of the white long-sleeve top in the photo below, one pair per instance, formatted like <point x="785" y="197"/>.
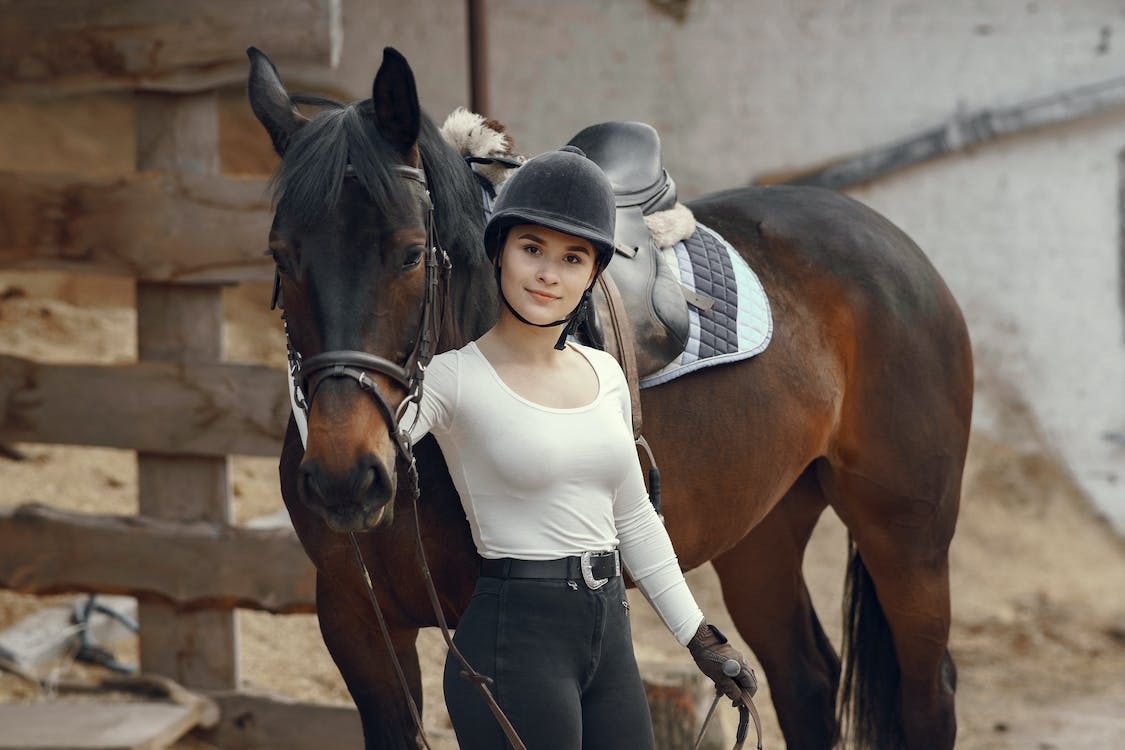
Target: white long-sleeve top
<point x="538" y="483"/>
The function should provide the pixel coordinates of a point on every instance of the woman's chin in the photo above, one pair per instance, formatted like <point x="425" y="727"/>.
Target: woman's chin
<point x="541" y="315"/>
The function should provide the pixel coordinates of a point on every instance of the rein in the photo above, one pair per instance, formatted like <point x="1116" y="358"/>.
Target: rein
<point x="746" y="711"/>
<point x="309" y="373"/>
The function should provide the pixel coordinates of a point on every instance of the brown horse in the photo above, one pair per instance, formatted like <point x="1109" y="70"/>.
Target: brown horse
<point x="861" y="402"/>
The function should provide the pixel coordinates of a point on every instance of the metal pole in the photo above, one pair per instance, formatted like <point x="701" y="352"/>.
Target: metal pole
<point x="478" y="57"/>
<point x="1121" y="239"/>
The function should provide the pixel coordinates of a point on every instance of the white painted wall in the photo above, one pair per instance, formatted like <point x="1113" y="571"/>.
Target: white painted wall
<point x="1024" y="230"/>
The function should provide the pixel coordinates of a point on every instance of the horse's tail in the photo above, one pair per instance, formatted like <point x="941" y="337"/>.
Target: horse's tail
<point x="869" y="702"/>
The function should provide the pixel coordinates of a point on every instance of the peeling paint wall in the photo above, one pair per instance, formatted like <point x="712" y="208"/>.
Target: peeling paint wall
<point x="1025" y="229"/>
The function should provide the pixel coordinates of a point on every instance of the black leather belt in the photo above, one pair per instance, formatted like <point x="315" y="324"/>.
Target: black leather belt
<point x="594" y="568"/>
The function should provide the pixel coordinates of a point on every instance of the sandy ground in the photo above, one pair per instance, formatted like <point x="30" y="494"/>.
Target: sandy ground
<point x="1039" y="628"/>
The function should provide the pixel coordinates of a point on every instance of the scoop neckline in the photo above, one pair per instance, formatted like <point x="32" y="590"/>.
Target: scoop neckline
<point x="535" y="404"/>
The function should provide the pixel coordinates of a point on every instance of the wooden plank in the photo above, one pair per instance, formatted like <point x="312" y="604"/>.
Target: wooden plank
<point x="164" y="713"/>
<point x="251" y="721"/>
<point x="190" y="565"/>
<point x="192" y="408"/>
<point x="154" y="226"/>
<point x="66" y="47"/>
<point x="72" y="725"/>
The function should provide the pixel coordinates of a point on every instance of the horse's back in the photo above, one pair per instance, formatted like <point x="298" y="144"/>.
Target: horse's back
<point x="829" y="256"/>
<point x="853" y="294"/>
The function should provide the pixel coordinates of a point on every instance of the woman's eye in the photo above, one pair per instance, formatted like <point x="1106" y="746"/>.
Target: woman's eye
<point x="531" y="249"/>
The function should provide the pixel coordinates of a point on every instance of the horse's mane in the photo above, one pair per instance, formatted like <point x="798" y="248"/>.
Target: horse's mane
<point x="310" y="178"/>
<point x="456" y="196"/>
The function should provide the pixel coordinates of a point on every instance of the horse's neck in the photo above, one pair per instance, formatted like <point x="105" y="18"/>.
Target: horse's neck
<point x="475" y="304"/>
<point x="475" y="301"/>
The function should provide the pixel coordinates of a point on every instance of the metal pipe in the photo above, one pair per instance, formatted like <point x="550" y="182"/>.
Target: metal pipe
<point x="478" y="56"/>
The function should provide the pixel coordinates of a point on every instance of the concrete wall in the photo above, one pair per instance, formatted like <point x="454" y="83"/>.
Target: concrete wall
<point x="1025" y="230"/>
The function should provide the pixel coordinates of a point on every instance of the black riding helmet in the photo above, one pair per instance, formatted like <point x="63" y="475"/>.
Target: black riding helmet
<point x="564" y="191"/>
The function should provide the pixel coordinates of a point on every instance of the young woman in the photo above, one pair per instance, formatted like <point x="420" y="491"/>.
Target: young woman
<point x="537" y="434"/>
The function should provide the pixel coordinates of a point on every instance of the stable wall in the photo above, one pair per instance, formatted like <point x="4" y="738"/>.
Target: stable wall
<point x="1025" y="229"/>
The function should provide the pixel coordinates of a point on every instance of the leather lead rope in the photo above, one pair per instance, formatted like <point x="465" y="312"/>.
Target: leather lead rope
<point x="410" y="375"/>
<point x="470" y="674"/>
<point x="746" y="711"/>
<point x="467" y="672"/>
<point x="414" y="713"/>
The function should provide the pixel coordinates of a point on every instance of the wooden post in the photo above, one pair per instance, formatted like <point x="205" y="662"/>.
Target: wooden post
<point x="180" y="133"/>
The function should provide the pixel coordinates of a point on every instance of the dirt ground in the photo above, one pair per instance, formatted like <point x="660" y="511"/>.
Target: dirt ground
<point x="1039" y="614"/>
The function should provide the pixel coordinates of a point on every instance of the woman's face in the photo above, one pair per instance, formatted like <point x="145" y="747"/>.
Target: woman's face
<point x="543" y="272"/>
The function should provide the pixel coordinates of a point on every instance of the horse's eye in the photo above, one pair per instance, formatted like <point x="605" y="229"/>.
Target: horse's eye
<point x="279" y="260"/>
<point x="413" y="258"/>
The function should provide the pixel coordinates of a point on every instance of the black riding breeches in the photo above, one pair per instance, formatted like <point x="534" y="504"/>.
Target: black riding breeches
<point x="561" y="659"/>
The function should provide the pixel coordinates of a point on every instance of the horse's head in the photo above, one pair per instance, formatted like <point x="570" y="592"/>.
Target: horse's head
<point x="358" y="274"/>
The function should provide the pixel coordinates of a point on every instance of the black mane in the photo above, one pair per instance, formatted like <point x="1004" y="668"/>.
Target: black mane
<point x="308" y="183"/>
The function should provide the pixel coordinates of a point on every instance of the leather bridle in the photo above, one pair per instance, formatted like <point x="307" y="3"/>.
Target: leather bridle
<point x="309" y="374"/>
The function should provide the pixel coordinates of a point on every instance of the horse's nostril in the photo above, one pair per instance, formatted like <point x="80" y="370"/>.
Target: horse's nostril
<point x="370" y="479"/>
<point x="377" y="483"/>
<point x="308" y="482"/>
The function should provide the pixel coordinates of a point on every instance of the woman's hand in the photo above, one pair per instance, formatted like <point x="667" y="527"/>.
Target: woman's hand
<point x="722" y="663"/>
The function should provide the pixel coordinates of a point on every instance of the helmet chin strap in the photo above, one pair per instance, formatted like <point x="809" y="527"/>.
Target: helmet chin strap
<point x="570" y="323"/>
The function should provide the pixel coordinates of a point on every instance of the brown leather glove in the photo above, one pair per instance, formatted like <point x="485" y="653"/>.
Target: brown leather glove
<point x="718" y="660"/>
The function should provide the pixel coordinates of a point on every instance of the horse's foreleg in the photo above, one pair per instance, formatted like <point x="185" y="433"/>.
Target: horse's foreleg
<point x="766" y="596"/>
<point x="351" y="633"/>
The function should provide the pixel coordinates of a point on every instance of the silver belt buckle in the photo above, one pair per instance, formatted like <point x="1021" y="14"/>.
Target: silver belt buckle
<point x="586" y="564"/>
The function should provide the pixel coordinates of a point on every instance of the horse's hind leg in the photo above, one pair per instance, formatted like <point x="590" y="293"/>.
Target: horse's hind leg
<point x="766" y="596"/>
<point x="902" y="539"/>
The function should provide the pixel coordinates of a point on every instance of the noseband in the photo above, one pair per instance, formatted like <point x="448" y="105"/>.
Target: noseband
<point x="310" y="373"/>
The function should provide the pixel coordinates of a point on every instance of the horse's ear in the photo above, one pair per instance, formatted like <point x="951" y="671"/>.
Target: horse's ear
<point x="270" y="101"/>
<point x="394" y="99"/>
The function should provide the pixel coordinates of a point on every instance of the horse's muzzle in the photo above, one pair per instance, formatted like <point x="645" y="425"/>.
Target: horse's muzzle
<point x="358" y="499"/>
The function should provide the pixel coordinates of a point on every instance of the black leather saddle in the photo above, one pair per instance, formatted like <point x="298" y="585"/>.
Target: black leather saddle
<point x="629" y="153"/>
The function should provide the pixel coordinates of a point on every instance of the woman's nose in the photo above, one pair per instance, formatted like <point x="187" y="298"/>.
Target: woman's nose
<point x="546" y="273"/>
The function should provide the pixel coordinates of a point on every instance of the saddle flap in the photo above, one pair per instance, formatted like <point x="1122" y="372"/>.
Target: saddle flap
<point x="654" y="309"/>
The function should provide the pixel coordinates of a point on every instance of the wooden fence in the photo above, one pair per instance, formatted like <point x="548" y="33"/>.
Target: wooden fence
<point x="182" y="232"/>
